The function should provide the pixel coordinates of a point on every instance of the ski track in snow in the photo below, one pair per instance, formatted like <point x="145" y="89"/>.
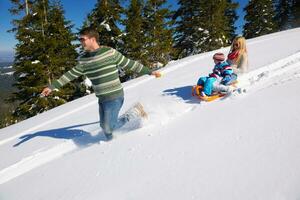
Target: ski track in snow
<point x="272" y="74"/>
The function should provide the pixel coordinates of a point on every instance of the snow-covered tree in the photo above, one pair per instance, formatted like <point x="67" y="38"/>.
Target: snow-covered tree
<point x="44" y="51"/>
<point x="134" y="37"/>
<point x="260" y="18"/>
<point x="295" y="12"/>
<point x="158" y="32"/>
<point x="188" y="27"/>
<point x="287" y="14"/>
<point x="283" y="14"/>
<point x="218" y="24"/>
<point x="204" y="25"/>
<point x="105" y="17"/>
<point x="230" y="13"/>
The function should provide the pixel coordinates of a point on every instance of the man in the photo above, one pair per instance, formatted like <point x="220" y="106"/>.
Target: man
<point x="100" y="64"/>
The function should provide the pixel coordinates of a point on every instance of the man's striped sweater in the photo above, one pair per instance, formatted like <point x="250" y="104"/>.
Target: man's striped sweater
<point x="101" y="67"/>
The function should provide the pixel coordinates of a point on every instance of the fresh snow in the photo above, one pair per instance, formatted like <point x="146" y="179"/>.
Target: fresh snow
<point x="8" y="73"/>
<point x="7" y="67"/>
<point x="22" y="75"/>
<point x="245" y="146"/>
<point x="106" y="26"/>
<point x="35" y="62"/>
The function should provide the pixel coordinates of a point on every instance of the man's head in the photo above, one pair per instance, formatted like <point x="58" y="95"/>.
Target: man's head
<point x="89" y="38"/>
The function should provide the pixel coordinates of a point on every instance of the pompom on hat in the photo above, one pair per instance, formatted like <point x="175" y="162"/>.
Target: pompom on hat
<point x="219" y="57"/>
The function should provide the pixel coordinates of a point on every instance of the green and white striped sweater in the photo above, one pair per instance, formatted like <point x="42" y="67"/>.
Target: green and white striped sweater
<point x="101" y="67"/>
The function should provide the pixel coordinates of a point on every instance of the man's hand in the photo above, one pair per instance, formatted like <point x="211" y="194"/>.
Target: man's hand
<point x="156" y="74"/>
<point x="46" y="91"/>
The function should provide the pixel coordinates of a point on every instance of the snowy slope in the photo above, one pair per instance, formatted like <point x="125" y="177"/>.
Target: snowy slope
<point x="243" y="147"/>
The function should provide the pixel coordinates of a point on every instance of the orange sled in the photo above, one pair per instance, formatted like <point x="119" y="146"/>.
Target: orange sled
<point x="197" y="89"/>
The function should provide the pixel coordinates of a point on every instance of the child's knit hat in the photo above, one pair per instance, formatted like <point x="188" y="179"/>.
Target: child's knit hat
<point x="219" y="57"/>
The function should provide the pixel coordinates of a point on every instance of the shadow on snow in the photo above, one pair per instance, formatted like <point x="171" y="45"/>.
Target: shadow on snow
<point x="184" y="93"/>
<point x="80" y="137"/>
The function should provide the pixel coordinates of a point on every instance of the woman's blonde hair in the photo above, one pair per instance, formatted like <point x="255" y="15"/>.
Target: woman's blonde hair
<point x="240" y="41"/>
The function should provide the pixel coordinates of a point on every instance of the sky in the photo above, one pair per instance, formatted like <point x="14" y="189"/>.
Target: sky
<point x="75" y="11"/>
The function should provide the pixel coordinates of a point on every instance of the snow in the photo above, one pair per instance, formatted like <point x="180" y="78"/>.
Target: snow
<point x="35" y="62"/>
<point x="106" y="26"/>
<point x="7" y="67"/>
<point x="8" y="73"/>
<point x="245" y="146"/>
<point x="23" y="75"/>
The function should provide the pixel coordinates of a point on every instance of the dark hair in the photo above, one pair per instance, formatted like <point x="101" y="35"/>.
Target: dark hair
<point x="90" y="32"/>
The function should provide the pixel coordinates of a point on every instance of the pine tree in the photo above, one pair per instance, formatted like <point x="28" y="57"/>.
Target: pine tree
<point x="105" y="17"/>
<point x="287" y="14"/>
<point x="259" y="18"/>
<point x="187" y="27"/>
<point x="29" y="33"/>
<point x="230" y="13"/>
<point x="133" y="37"/>
<point x="295" y="12"/>
<point x="283" y="14"/>
<point x="204" y="25"/>
<point x="61" y="52"/>
<point x="217" y="26"/>
<point x="44" y="47"/>
<point x="158" y="32"/>
<point x="134" y="33"/>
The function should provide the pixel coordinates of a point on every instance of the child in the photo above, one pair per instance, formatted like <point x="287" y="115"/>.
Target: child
<point x="218" y="80"/>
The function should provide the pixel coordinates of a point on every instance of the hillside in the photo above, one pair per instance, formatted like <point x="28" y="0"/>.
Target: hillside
<point x="6" y="87"/>
<point x="245" y="146"/>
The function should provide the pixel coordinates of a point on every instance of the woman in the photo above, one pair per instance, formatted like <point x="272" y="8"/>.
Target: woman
<point x="237" y="57"/>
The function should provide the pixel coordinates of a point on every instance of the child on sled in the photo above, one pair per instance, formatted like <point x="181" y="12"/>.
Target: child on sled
<point x="220" y="79"/>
